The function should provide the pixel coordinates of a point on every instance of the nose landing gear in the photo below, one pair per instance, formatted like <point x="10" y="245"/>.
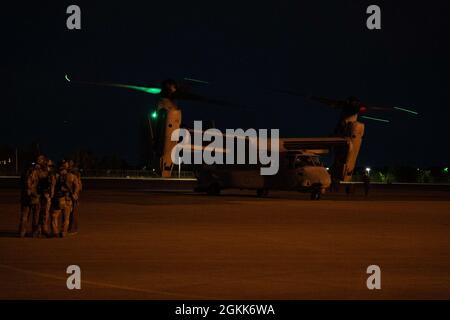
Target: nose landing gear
<point x="263" y="192"/>
<point x="213" y="189"/>
<point x="316" y="194"/>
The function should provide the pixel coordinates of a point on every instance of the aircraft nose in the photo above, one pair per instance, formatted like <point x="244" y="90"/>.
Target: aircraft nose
<point x="314" y="176"/>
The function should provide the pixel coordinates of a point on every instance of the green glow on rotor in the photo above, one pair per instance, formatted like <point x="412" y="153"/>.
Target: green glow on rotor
<point x="446" y="170"/>
<point x="145" y="89"/>
<point x="154" y="114"/>
<point x="406" y="110"/>
<point x="154" y="90"/>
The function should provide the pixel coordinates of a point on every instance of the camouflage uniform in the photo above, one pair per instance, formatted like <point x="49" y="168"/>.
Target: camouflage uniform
<point x="46" y="188"/>
<point x="66" y="191"/>
<point x="74" y="215"/>
<point x="29" y="201"/>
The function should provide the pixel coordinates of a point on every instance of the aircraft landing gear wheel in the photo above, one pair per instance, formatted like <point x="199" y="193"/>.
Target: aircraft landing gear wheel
<point x="262" y="192"/>
<point x="315" y="195"/>
<point x="213" y="190"/>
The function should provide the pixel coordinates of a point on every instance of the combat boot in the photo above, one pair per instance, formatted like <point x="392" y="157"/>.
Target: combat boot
<point x="37" y="234"/>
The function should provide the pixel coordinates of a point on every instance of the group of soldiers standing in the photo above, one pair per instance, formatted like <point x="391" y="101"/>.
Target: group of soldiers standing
<point x="49" y="195"/>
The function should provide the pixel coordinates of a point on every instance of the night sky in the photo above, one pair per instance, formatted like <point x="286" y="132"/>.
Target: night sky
<point x="246" y="50"/>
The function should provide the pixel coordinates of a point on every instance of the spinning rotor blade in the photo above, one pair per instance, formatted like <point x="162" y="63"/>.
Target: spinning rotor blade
<point x="329" y="102"/>
<point x="182" y="92"/>
<point x="151" y="90"/>
<point x="184" y="95"/>
<point x="196" y="80"/>
<point x="376" y="108"/>
<point x="345" y="104"/>
<point x="375" y="119"/>
<point x="406" y="110"/>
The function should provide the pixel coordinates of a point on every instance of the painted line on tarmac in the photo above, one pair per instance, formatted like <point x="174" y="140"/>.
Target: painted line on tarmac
<point x="104" y="285"/>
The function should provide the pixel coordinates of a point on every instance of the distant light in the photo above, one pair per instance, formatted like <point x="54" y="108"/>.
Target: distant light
<point x="154" y="114"/>
<point x="446" y="169"/>
<point x="368" y="169"/>
<point x="327" y="168"/>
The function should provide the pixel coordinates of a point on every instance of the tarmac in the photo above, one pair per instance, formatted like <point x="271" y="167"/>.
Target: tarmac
<point x="162" y="241"/>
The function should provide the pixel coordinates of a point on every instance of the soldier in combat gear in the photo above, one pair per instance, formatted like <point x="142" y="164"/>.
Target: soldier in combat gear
<point x="29" y="199"/>
<point x="66" y="191"/>
<point x="74" y="214"/>
<point x="46" y="188"/>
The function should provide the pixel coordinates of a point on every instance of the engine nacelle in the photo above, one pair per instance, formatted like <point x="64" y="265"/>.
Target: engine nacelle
<point x="345" y="157"/>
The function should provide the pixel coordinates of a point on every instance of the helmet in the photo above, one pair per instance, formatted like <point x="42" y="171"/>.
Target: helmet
<point x="63" y="165"/>
<point x="41" y="160"/>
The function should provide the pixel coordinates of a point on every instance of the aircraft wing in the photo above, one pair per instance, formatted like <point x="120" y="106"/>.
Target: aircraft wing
<point x="314" y="145"/>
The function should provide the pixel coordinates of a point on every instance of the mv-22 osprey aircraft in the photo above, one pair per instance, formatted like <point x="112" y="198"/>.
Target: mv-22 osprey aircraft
<point x="299" y="165"/>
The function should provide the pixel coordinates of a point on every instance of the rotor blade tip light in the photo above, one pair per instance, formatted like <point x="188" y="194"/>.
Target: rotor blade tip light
<point x="67" y="78"/>
<point x="154" y="114"/>
<point x="375" y="119"/>
<point x="196" y="80"/>
<point x="406" y="110"/>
